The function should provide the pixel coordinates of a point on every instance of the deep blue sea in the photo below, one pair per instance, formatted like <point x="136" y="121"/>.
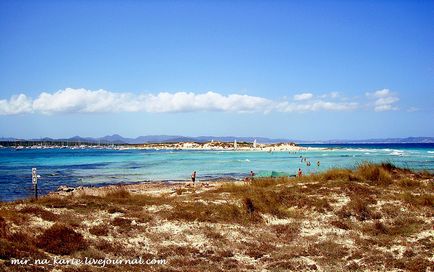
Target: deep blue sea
<point x="105" y="166"/>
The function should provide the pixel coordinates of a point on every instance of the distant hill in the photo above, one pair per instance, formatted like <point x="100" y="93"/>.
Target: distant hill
<point x="408" y="140"/>
<point x="118" y="139"/>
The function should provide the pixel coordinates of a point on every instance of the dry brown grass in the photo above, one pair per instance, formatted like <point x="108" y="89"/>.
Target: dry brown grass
<point x="122" y="222"/>
<point x="210" y="233"/>
<point x="418" y="264"/>
<point x="2" y="227"/>
<point x="359" y="208"/>
<point x="338" y="174"/>
<point x="61" y="240"/>
<point x="271" y="220"/>
<point x="409" y="183"/>
<point x="378" y="175"/>
<point x="333" y="251"/>
<point x="18" y="245"/>
<point x="99" y="230"/>
<point x="13" y="249"/>
<point x="341" y="224"/>
<point x="42" y="213"/>
<point x="115" y="247"/>
<point x="287" y="232"/>
<point x="198" y="211"/>
<point x="405" y="225"/>
<point x="417" y="200"/>
<point x="117" y="194"/>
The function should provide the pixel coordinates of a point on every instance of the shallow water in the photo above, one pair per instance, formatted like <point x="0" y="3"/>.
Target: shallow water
<point x="104" y="166"/>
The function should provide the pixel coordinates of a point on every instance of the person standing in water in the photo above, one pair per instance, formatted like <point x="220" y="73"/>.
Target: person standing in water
<point x="193" y="177"/>
<point x="300" y="173"/>
<point x="250" y="177"/>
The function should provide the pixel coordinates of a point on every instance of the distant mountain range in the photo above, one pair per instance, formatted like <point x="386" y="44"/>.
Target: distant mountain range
<point x="408" y="140"/>
<point x="118" y="139"/>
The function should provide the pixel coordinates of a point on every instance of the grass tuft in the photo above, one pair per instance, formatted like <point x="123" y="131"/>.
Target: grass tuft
<point x="374" y="173"/>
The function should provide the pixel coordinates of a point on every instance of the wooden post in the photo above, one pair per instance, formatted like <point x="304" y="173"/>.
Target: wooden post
<point x="35" y="182"/>
<point x="36" y="191"/>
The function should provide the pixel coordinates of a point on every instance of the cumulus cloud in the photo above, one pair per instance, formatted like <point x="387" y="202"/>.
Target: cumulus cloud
<point x="302" y="96"/>
<point x="99" y="101"/>
<point x="82" y="100"/>
<point x="210" y="101"/>
<point x="384" y="100"/>
<point x="87" y="101"/>
<point x="15" y="105"/>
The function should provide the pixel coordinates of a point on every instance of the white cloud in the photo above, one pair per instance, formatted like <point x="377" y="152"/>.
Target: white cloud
<point x="386" y="103"/>
<point x="317" y="106"/>
<point x="82" y="100"/>
<point x="302" y="96"/>
<point x="382" y="93"/>
<point x="331" y="95"/>
<point x="16" y="104"/>
<point x="210" y="101"/>
<point x="384" y="100"/>
<point x="87" y="101"/>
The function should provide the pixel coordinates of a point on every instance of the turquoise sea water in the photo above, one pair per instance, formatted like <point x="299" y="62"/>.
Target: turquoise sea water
<point x="104" y="166"/>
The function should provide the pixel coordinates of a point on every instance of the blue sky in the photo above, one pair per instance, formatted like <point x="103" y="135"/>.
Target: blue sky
<point x="296" y="69"/>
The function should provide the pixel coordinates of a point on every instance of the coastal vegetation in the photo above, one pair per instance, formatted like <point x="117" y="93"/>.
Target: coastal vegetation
<point x="373" y="217"/>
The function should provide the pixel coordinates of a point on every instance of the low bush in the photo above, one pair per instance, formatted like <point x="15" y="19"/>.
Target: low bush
<point x="99" y="230"/>
<point x="42" y="213"/>
<point x="379" y="228"/>
<point x="61" y="240"/>
<point x="122" y="222"/>
<point x="340" y="224"/>
<point x="10" y="250"/>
